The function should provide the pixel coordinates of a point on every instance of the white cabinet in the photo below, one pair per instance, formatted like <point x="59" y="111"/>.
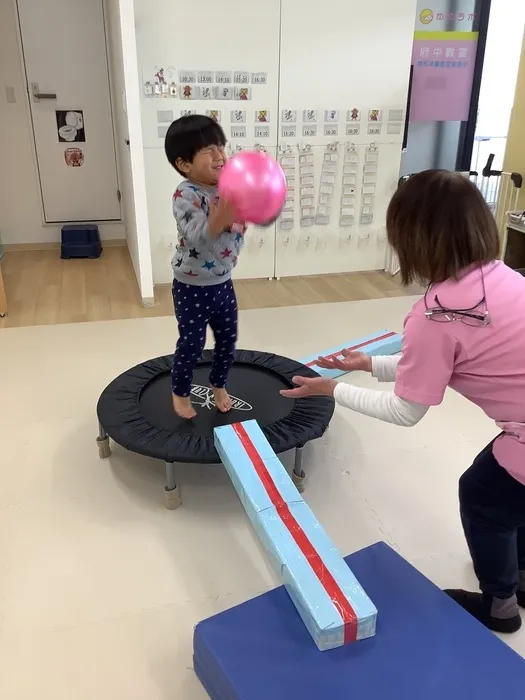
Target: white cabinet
<point x="312" y="60"/>
<point x="338" y="62"/>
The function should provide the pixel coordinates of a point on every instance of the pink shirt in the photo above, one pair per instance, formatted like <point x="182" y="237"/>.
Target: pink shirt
<point x="486" y="364"/>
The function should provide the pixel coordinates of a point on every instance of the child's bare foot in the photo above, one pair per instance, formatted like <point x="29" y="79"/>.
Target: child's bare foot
<point x="183" y="407"/>
<point x="223" y="402"/>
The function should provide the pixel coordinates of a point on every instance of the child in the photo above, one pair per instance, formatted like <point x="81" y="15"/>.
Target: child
<point x="208" y="246"/>
<point x="467" y="332"/>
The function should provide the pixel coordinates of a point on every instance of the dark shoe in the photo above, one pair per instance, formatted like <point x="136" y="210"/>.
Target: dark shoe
<point x="480" y="607"/>
<point x="520" y="595"/>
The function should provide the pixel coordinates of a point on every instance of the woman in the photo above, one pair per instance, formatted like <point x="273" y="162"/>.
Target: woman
<point x="467" y="333"/>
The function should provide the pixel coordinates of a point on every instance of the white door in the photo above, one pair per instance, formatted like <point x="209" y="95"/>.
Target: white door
<point x="64" y="48"/>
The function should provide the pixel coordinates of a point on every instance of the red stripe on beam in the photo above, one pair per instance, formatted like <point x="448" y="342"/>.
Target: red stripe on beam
<point x="326" y="579"/>
<point x="353" y="348"/>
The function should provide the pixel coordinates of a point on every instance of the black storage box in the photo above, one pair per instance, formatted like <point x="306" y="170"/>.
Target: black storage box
<point x="80" y="241"/>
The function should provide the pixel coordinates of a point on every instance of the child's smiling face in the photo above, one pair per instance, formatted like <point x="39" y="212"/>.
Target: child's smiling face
<point x="206" y="165"/>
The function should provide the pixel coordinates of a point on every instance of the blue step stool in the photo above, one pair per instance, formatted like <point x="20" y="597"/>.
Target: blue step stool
<point x="426" y="647"/>
<point x="80" y="241"/>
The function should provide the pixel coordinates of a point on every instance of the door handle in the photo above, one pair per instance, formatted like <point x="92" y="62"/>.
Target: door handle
<point x="37" y="95"/>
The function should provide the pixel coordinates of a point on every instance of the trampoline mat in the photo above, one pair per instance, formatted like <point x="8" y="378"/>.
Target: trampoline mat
<point x="254" y="392"/>
<point x="136" y="408"/>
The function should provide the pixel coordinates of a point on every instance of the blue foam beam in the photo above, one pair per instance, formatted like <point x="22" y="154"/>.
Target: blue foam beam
<point x="380" y="343"/>
<point x="327" y="595"/>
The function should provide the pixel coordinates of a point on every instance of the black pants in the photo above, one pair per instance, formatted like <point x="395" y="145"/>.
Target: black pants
<point x="492" y="506"/>
<point x="196" y="308"/>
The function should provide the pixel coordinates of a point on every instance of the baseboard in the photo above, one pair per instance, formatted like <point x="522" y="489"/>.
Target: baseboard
<point x="13" y="247"/>
<point x="164" y="285"/>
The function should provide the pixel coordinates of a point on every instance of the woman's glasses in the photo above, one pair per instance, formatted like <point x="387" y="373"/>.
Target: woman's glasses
<point x="477" y="315"/>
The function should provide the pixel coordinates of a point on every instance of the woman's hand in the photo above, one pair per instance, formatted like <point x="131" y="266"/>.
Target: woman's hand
<point x="310" y="386"/>
<point x="352" y="361"/>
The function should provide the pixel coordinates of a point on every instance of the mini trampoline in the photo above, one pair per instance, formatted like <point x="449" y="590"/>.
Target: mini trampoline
<point x="136" y="412"/>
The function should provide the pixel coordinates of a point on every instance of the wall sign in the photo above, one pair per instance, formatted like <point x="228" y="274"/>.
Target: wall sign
<point x="214" y="114"/>
<point x="262" y="132"/>
<point x="74" y="157"/>
<point x="443" y="75"/>
<point x="190" y="92"/>
<point x="238" y="116"/>
<point x="224" y="92"/>
<point x="238" y="132"/>
<point x="259" y="78"/>
<point x="70" y="125"/>
<point x="223" y="77"/>
<point x="242" y="93"/>
<point x="288" y="131"/>
<point x="443" y="60"/>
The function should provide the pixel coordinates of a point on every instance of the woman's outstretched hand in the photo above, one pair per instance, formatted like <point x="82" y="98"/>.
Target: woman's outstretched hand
<point x="310" y="386"/>
<point x="351" y="362"/>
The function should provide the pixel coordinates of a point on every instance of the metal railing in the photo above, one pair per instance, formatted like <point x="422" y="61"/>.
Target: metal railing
<point x="501" y="191"/>
<point x="484" y="146"/>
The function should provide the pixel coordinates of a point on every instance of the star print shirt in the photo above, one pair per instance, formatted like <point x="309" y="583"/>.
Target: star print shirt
<point x="200" y="259"/>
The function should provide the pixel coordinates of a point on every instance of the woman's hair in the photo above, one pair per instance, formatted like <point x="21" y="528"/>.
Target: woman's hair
<point x="190" y="134"/>
<point x="439" y="224"/>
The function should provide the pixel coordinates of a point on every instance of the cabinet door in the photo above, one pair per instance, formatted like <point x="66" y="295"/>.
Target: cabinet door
<point x="344" y="83"/>
<point x="202" y="47"/>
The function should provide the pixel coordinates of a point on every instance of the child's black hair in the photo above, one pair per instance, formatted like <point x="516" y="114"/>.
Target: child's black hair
<point x="188" y="135"/>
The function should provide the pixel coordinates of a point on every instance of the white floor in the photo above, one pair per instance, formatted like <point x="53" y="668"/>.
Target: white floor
<point x="100" y="586"/>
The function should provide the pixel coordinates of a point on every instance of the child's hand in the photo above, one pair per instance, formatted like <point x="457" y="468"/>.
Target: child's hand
<point x="352" y="361"/>
<point x="239" y="227"/>
<point x="222" y="216"/>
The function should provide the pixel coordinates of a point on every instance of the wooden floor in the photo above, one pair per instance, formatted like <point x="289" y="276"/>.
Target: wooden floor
<point x="43" y="289"/>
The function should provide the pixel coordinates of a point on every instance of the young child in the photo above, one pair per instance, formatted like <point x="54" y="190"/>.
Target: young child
<point x="209" y="242"/>
<point x="467" y="332"/>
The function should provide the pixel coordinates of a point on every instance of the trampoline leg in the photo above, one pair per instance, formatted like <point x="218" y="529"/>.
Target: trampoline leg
<point x="104" y="450"/>
<point x="298" y="474"/>
<point x="172" y="497"/>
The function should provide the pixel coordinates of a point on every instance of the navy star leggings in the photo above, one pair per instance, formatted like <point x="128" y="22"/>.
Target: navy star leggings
<point x="196" y="308"/>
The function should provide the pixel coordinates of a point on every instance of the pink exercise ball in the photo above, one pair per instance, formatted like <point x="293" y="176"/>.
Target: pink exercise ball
<point x="255" y="184"/>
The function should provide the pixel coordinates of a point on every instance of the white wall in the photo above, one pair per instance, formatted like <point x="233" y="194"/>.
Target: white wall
<point x="128" y="136"/>
<point x="346" y="54"/>
<point x="21" y="217"/>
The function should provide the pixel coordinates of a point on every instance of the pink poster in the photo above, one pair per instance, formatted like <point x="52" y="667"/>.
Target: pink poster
<point x="443" y="75"/>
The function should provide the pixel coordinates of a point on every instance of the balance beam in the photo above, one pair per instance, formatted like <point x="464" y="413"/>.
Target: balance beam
<point x="381" y="343"/>
<point x="327" y="595"/>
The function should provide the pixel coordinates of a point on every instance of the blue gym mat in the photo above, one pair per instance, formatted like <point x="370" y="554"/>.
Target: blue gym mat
<point x="426" y="647"/>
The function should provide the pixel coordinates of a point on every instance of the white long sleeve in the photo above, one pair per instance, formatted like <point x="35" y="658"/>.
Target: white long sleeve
<point x="384" y="367"/>
<point x="384" y="405"/>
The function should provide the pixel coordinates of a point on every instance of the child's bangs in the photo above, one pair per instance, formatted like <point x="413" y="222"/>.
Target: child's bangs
<point x="211" y="135"/>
